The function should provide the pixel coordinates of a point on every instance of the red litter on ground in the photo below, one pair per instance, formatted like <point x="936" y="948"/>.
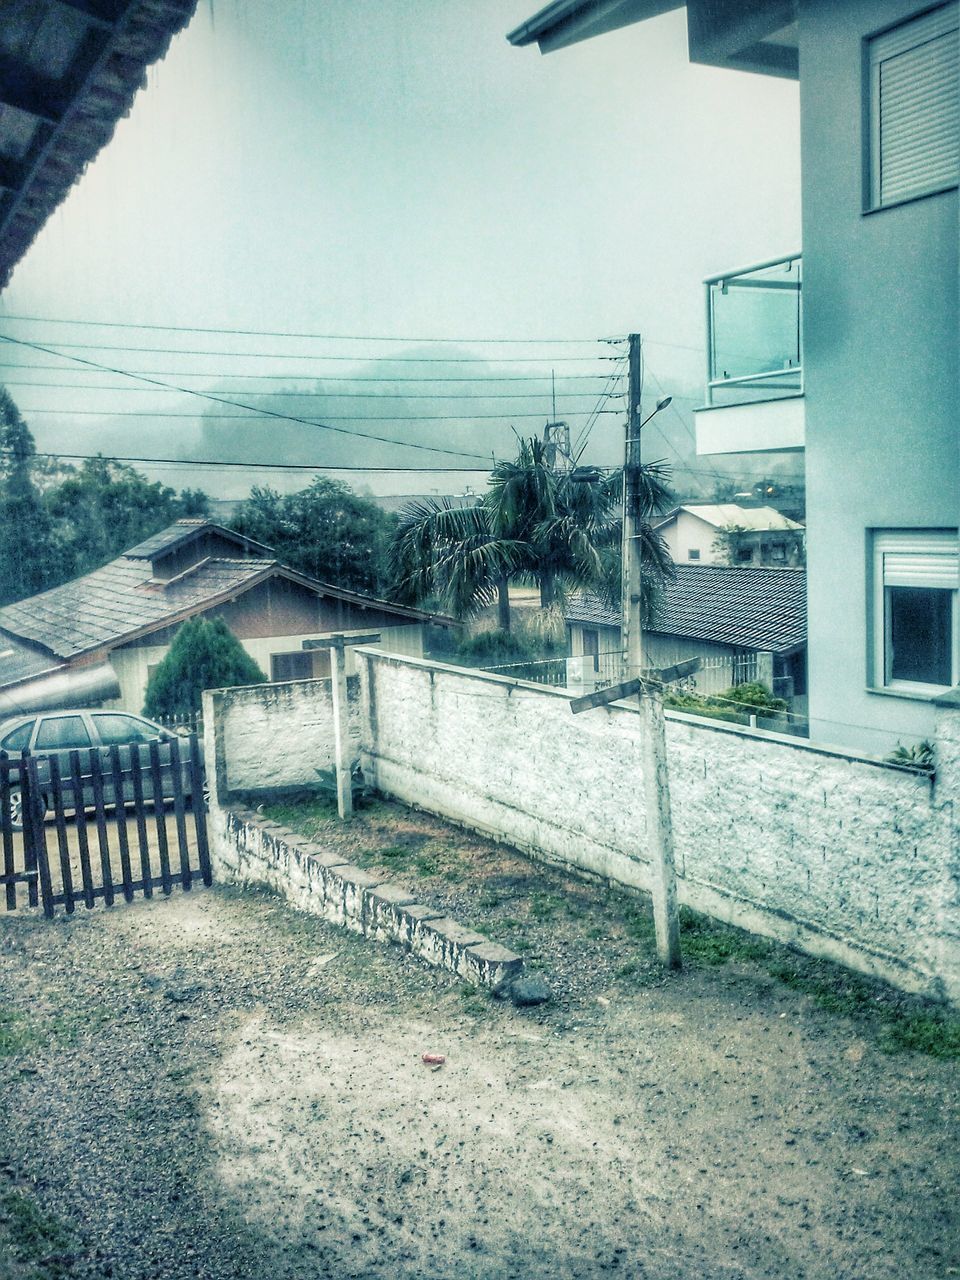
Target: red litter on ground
<point x="434" y="1059"/>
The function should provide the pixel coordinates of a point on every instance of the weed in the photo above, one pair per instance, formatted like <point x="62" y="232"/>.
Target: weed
<point x="596" y="932"/>
<point x="474" y="1001"/>
<point x="629" y="969"/>
<point x="710" y="943"/>
<point x="488" y="900"/>
<point x="546" y="906"/>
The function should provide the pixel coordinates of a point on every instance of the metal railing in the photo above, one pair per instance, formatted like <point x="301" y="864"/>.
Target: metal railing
<point x="755" y="333"/>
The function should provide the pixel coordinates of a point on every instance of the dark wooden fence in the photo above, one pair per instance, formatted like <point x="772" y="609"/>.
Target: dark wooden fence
<point x="103" y="824"/>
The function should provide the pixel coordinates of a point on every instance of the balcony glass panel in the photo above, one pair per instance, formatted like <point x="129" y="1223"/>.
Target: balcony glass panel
<point x="755" y="324"/>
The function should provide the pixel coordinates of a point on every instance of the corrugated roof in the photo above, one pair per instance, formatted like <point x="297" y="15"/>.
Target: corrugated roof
<point x="749" y="608"/>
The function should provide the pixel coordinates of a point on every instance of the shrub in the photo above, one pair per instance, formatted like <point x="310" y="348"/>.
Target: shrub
<point x="205" y="654"/>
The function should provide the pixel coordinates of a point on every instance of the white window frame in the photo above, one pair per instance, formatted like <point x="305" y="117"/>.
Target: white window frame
<point x="882" y="51"/>
<point x="920" y="558"/>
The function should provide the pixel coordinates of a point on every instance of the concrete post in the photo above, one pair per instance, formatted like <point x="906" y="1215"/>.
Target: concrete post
<point x="656" y="790"/>
<point x="765" y="670"/>
<point x="341" y="730"/>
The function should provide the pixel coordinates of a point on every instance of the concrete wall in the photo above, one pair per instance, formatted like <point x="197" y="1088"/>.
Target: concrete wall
<point x="844" y="856"/>
<point x="880" y="371"/>
<point x="276" y="736"/>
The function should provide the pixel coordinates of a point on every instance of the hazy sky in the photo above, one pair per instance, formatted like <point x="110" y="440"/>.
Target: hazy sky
<point x="395" y="168"/>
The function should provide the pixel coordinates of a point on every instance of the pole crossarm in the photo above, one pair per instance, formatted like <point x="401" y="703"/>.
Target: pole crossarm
<point x="653" y="679"/>
<point x="340" y="642"/>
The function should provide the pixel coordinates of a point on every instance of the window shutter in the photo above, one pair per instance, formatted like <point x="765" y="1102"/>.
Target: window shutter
<point x="919" y="560"/>
<point x="916" y="107"/>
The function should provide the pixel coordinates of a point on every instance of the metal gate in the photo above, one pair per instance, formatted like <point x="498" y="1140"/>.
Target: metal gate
<point x="86" y="825"/>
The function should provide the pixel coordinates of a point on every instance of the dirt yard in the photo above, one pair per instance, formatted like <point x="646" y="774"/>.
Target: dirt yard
<point x="215" y="1086"/>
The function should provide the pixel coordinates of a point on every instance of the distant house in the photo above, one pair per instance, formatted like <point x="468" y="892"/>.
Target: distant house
<point x="97" y="638"/>
<point x="727" y="533"/>
<point x="743" y="623"/>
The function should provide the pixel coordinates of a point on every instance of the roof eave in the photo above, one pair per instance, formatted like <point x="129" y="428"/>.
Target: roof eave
<point x="567" y="22"/>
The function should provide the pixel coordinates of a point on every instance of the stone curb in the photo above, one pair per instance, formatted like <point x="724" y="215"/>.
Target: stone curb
<point x="316" y="880"/>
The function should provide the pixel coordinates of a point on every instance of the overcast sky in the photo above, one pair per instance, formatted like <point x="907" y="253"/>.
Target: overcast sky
<point x="394" y="168"/>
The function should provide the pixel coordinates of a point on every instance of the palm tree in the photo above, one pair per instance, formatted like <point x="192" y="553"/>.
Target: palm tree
<point x="559" y="529"/>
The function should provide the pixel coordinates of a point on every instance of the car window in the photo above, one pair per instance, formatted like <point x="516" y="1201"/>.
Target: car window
<point x="62" y="733"/>
<point x="118" y="729"/>
<point x="18" y="739"/>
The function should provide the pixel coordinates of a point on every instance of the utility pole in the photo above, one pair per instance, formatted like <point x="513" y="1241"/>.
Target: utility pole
<point x="653" y="739"/>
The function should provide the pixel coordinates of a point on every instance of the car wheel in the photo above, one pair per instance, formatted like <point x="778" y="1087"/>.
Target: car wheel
<point x="15" y="809"/>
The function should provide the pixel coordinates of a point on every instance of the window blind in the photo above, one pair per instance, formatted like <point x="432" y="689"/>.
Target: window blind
<point x="915" y="107"/>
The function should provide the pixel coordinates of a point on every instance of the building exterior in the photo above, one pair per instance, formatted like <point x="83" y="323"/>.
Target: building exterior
<point x="744" y="624"/>
<point x="849" y="352"/>
<point x="726" y="533"/>
<point x="97" y="639"/>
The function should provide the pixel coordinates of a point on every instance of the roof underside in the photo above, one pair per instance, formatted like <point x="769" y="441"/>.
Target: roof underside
<point x="69" y="70"/>
<point x="761" y="36"/>
<point x="764" y="609"/>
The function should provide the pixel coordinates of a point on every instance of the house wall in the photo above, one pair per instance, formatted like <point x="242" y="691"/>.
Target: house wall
<point x="880" y="372"/>
<point x="686" y="533"/>
<point x="839" y="854"/>
<point x="132" y="662"/>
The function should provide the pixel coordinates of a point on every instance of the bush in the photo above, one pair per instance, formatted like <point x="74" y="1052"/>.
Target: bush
<point x="205" y="654"/>
<point x="735" y="704"/>
<point x="493" y="648"/>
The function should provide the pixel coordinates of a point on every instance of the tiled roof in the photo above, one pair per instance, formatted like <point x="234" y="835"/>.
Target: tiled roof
<point x="749" y="608"/>
<point x="19" y="661"/>
<point x="118" y="600"/>
<point x="725" y="515"/>
<point x="182" y="531"/>
<point x="123" y="599"/>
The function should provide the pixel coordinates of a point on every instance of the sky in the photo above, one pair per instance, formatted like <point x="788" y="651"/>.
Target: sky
<point x="394" y="169"/>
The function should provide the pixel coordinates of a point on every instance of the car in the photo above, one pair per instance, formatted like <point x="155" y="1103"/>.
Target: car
<point x="57" y="734"/>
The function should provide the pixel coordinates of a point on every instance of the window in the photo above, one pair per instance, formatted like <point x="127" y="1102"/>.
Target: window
<point x="118" y="729"/>
<point x="291" y="666"/>
<point x="744" y="555"/>
<point x="19" y="738"/>
<point x="916" y="613"/>
<point x="914" y="114"/>
<point x="693" y="553"/>
<point x="62" y="733"/>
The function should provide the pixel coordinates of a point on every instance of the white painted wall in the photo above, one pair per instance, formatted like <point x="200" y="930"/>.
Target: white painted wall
<point x="686" y="533"/>
<point x="842" y="855"/>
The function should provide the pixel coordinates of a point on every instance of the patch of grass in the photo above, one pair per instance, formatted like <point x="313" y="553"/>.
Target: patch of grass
<point x="711" y="943"/>
<point x="488" y="900"/>
<point x="17" y="1034"/>
<point x="596" y="932"/>
<point x="629" y="969"/>
<point x="474" y="1001"/>
<point x="36" y="1239"/>
<point x="546" y="906"/>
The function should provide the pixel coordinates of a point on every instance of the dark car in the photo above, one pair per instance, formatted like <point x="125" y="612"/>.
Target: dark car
<point x="58" y="733"/>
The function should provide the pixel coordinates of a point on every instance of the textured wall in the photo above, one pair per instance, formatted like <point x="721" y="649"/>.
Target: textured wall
<point x="842" y="855"/>
<point x="278" y="735"/>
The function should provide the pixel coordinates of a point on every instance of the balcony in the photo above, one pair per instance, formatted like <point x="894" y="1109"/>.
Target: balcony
<point x="754" y="395"/>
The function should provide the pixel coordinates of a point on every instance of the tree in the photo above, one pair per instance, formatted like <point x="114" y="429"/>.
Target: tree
<point x="326" y="531"/>
<point x="558" y="529"/>
<point x="28" y="562"/>
<point x="104" y="507"/>
<point x="205" y="654"/>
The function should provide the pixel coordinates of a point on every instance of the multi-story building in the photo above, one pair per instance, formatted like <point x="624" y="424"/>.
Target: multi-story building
<point x="849" y="352"/>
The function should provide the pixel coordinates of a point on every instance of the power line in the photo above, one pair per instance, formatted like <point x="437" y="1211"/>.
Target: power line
<point x="326" y="337"/>
<point x="255" y="466"/>
<point x="312" y="422"/>
<point x="279" y="355"/>
<point x="325" y="395"/>
<point x="235" y="404"/>
<point x="293" y="377"/>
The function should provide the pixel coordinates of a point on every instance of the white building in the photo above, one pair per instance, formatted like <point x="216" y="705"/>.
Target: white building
<point x="850" y="352"/>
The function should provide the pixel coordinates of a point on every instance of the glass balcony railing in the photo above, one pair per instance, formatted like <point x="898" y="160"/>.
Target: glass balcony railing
<point x="755" y="333"/>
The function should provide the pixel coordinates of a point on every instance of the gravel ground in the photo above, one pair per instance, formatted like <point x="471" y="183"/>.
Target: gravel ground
<point x="214" y="1085"/>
